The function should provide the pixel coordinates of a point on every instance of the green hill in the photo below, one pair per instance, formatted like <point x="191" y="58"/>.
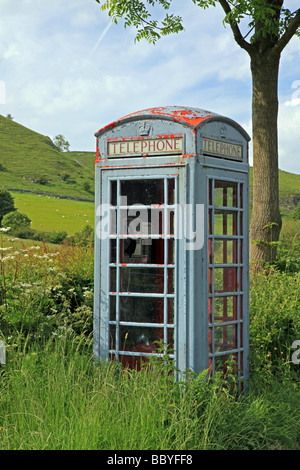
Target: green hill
<point x="31" y="161"/>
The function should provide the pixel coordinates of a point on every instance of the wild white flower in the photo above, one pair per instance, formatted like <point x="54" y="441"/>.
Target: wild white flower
<point x="4" y="229"/>
<point x="6" y="248"/>
<point x="6" y="258"/>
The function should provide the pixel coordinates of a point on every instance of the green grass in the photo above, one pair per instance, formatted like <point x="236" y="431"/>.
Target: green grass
<point x="27" y="157"/>
<point x="53" y="214"/>
<point x="54" y="396"/>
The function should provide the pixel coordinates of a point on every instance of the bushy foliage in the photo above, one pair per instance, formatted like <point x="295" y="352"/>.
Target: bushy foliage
<point x="16" y="220"/>
<point x="274" y="319"/>
<point x="296" y="212"/>
<point x="27" y="233"/>
<point x="46" y="292"/>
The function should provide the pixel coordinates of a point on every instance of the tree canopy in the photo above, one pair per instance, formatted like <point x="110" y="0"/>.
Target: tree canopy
<point x="264" y="19"/>
<point x="61" y="143"/>
<point x="6" y="203"/>
<point x="262" y="28"/>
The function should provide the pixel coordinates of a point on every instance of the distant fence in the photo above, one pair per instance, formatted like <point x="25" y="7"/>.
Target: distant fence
<point x="51" y="195"/>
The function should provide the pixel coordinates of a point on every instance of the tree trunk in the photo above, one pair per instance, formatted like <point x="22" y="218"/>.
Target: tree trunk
<point x="266" y="220"/>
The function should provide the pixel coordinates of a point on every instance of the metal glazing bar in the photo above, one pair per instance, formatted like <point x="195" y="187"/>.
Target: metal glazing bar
<point x="165" y="259"/>
<point x="142" y="294"/>
<point x="228" y="352"/>
<point x="227" y="208"/>
<point x="231" y="322"/>
<point x="139" y="354"/>
<point x="225" y="265"/>
<point x="225" y="294"/>
<point x="140" y="235"/>
<point x="149" y="206"/>
<point x="240" y="366"/>
<point x="176" y="261"/>
<point x="142" y="325"/>
<point x="212" y="329"/>
<point x="140" y="265"/>
<point x="226" y="237"/>
<point x="118" y="269"/>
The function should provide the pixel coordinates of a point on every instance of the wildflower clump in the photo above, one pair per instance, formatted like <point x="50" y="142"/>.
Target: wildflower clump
<point x="45" y="292"/>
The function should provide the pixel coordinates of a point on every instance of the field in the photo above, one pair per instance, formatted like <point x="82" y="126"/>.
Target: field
<point x="53" y="214"/>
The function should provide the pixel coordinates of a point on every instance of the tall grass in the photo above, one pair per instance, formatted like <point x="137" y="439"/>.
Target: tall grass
<point x="54" y="396"/>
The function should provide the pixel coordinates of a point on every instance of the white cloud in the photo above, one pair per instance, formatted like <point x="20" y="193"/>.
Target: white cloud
<point x="288" y="138"/>
<point x="66" y="70"/>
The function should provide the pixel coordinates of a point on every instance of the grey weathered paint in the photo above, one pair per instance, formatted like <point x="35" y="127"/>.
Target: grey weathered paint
<point x="194" y="169"/>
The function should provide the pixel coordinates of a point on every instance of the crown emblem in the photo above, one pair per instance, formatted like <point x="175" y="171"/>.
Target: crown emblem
<point x="223" y="131"/>
<point x="144" y="128"/>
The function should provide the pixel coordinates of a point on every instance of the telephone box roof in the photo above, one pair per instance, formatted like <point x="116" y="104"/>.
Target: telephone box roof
<point x="187" y="116"/>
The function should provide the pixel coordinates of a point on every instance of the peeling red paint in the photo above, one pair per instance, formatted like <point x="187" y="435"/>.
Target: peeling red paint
<point x="184" y="115"/>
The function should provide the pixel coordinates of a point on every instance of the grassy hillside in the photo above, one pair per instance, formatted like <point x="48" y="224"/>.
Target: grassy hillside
<point x="31" y="161"/>
<point x="51" y="214"/>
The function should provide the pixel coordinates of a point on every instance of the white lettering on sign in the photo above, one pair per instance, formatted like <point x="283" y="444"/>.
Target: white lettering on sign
<point x="167" y="146"/>
<point x="226" y="149"/>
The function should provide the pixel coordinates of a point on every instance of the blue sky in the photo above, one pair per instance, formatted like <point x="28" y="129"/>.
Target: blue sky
<point x="64" y="69"/>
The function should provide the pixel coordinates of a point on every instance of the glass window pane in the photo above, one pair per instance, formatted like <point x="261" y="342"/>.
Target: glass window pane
<point x="113" y="251"/>
<point x="142" y="251"/>
<point x="225" y="251"/>
<point x="171" y="190"/>
<point x="225" y="194"/>
<point x="113" y="193"/>
<point x="142" y="309"/>
<point x="170" y="311"/>
<point x="225" y="309"/>
<point x="112" y="300"/>
<point x="225" y="222"/>
<point x="143" y="191"/>
<point x="171" y="251"/>
<point x="225" y="338"/>
<point x="149" y="280"/>
<point x="225" y="280"/>
<point x="171" y="281"/>
<point x="140" y="339"/>
<point x="112" y="337"/>
<point x="113" y="285"/>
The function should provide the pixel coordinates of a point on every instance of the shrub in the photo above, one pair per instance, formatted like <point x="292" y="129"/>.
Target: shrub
<point x="296" y="212"/>
<point x="274" y="318"/>
<point x="42" y="180"/>
<point x="16" y="220"/>
<point x="25" y="233"/>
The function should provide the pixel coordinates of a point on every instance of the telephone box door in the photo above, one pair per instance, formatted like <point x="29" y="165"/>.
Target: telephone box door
<point x="140" y="264"/>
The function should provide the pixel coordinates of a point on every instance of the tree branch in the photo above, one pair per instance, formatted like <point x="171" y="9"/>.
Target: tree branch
<point x="289" y="33"/>
<point x="235" y="29"/>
